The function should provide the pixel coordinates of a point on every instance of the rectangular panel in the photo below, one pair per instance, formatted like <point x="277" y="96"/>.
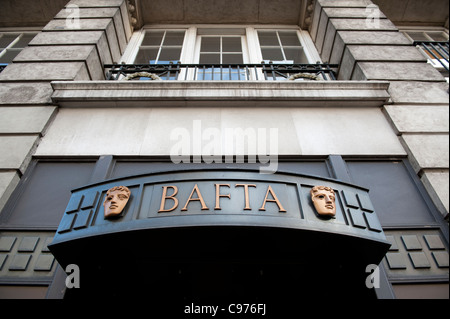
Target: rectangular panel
<point x="394" y="195"/>
<point x="46" y="193"/>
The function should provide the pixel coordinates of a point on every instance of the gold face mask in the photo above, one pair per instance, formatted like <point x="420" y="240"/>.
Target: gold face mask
<point x="115" y="201"/>
<point x="323" y="199"/>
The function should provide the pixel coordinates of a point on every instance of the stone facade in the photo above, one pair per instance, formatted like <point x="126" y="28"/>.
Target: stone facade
<point x="390" y="101"/>
<point x="369" y="51"/>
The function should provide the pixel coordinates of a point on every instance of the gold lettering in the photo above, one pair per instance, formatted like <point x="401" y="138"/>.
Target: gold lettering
<point x="199" y="198"/>
<point x="218" y="195"/>
<point x="275" y="200"/>
<point x="247" y="200"/>
<point x="164" y="197"/>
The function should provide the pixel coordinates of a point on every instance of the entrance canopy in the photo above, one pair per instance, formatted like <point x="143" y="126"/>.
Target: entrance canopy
<point x="238" y="224"/>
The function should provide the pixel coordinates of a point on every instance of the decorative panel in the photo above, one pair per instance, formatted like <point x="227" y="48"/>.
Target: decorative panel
<point x="417" y="254"/>
<point x="25" y="257"/>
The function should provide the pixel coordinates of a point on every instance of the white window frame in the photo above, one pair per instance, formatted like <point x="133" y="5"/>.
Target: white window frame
<point x="191" y="46"/>
<point x="425" y="30"/>
<point x="20" y="33"/>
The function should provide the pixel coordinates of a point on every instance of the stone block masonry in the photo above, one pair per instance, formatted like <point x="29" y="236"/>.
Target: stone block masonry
<point x="61" y="51"/>
<point x="368" y="49"/>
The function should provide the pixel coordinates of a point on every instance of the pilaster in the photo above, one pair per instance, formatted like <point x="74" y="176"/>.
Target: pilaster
<point x="73" y="46"/>
<point x="368" y="46"/>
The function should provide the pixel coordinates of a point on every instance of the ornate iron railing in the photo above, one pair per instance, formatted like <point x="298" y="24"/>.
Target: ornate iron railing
<point x="437" y="52"/>
<point x="221" y="72"/>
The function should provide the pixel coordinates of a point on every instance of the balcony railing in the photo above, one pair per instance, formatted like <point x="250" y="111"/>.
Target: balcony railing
<point x="436" y="52"/>
<point x="221" y="72"/>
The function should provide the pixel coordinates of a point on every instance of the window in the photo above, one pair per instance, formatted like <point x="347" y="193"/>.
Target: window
<point x="434" y="45"/>
<point x="220" y="53"/>
<point x="281" y="47"/>
<point x="160" y="47"/>
<point x="11" y="43"/>
<point x="216" y="50"/>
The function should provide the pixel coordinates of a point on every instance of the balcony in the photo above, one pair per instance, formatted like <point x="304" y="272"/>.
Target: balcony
<point x="222" y="72"/>
<point x="437" y="53"/>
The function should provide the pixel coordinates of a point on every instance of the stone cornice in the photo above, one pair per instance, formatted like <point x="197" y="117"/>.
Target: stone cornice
<point x="151" y="93"/>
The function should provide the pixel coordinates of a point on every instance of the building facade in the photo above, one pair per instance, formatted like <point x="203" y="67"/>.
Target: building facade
<point x="220" y="117"/>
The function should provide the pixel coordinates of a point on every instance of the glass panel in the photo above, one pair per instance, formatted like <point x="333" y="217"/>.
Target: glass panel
<point x="231" y="44"/>
<point x="210" y="44"/>
<point x="272" y="54"/>
<point x="267" y="38"/>
<point x="232" y="59"/>
<point x="8" y="56"/>
<point x="296" y="55"/>
<point x="209" y="74"/>
<point x="418" y="36"/>
<point x="169" y="55"/>
<point x="174" y="38"/>
<point x="210" y="58"/>
<point x="153" y="38"/>
<point x="146" y="56"/>
<point x="289" y="38"/>
<point x="24" y="40"/>
<point x="6" y="40"/>
<point x="438" y="36"/>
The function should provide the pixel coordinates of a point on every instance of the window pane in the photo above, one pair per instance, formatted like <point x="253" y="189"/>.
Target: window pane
<point x="8" y="56"/>
<point x="267" y="38"/>
<point x="210" y="44"/>
<point x="231" y="44"/>
<point x="210" y="58"/>
<point x="146" y="56"/>
<point x="438" y="36"/>
<point x="289" y="38"/>
<point x="174" y="38"/>
<point x="296" y="55"/>
<point x="153" y="38"/>
<point x="169" y="55"/>
<point x="24" y="40"/>
<point x="272" y="54"/>
<point x="6" y="40"/>
<point x="418" y="36"/>
<point x="232" y="59"/>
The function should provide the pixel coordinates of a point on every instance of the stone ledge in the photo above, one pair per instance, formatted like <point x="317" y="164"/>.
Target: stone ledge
<point x="427" y="151"/>
<point x="437" y="184"/>
<point x="328" y="93"/>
